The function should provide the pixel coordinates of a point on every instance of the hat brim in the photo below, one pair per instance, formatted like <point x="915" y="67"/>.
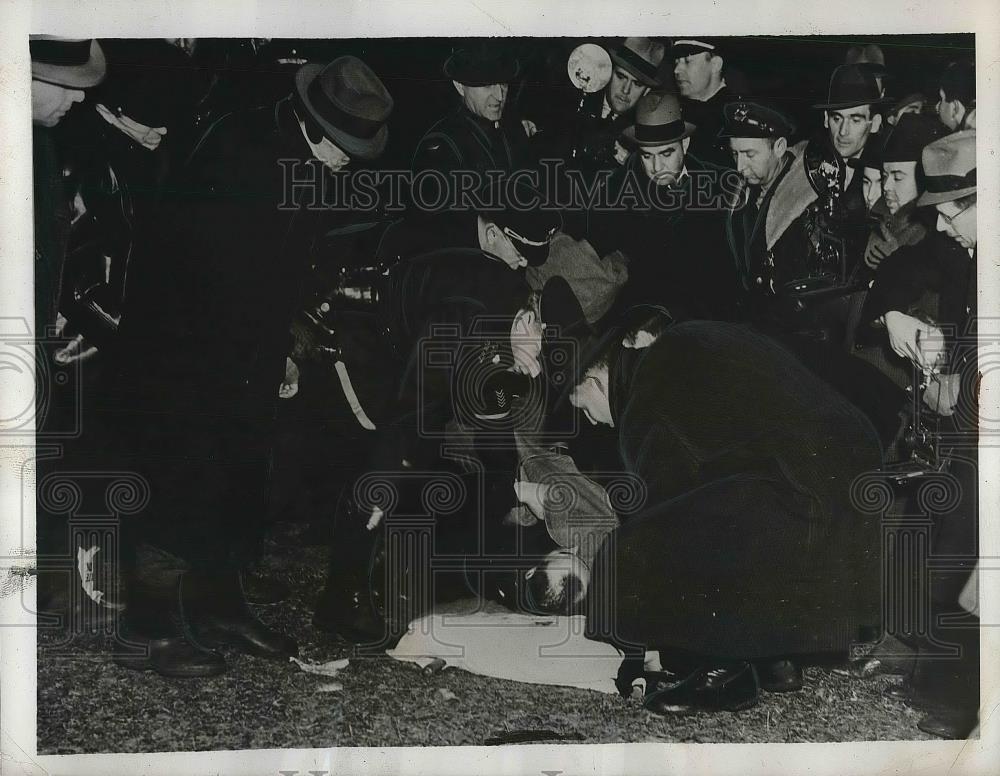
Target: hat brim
<point x="685" y="50"/>
<point x="937" y="197"/>
<point x="629" y="134"/>
<point x="90" y="73"/>
<point x="642" y="77"/>
<point x="362" y="148"/>
<point x="850" y="104"/>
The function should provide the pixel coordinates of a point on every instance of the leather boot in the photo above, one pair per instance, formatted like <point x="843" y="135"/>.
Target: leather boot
<point x="157" y="638"/>
<point x="216" y="607"/>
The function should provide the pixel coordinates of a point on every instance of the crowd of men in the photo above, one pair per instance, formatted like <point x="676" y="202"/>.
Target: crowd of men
<point x="753" y="319"/>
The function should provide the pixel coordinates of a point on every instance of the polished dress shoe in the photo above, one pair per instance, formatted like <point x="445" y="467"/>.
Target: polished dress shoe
<point x="779" y="676"/>
<point x="175" y="657"/>
<point x="217" y="611"/>
<point x="949" y="722"/>
<point x="731" y="687"/>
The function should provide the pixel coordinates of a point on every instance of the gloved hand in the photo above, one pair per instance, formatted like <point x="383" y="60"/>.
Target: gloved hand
<point x="881" y="243"/>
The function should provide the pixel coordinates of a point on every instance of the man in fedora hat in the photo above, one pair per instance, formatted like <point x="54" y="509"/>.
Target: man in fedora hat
<point x="673" y="236"/>
<point x="216" y="291"/>
<point x="945" y="686"/>
<point x="852" y="114"/>
<point x="699" y="71"/>
<point x="587" y="136"/>
<point x="480" y="134"/>
<point x="61" y="69"/>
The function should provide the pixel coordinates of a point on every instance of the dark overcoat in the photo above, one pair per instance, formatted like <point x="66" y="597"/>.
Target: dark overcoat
<point x="675" y="241"/>
<point x="204" y="333"/>
<point x="750" y="543"/>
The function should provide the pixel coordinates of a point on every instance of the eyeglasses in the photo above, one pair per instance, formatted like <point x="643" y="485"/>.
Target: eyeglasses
<point x="950" y="220"/>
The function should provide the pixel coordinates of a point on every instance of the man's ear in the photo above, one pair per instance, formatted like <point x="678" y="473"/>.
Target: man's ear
<point x="685" y="143"/>
<point x="826" y="120"/>
<point x="645" y="91"/>
<point x="958" y="111"/>
<point x="780" y="146"/>
<point x="717" y="63"/>
<point x="876" y="122"/>
<point x="460" y="88"/>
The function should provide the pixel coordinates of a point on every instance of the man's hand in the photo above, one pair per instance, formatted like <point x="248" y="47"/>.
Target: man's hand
<point x="911" y="338"/>
<point x="530" y="128"/>
<point x="290" y="385"/>
<point x="147" y="137"/>
<point x="532" y="495"/>
<point x="880" y="244"/>
<point x="941" y="393"/>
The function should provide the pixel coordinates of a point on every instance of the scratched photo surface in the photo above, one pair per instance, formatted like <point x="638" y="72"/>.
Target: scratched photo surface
<point x="466" y="391"/>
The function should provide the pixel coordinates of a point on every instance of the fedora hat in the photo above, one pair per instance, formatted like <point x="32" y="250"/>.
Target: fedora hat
<point x="348" y="102"/>
<point x="74" y="63"/>
<point x="482" y="63"/>
<point x="852" y="85"/>
<point x="641" y="57"/>
<point x="658" y="121"/>
<point x="908" y="138"/>
<point x="949" y="168"/>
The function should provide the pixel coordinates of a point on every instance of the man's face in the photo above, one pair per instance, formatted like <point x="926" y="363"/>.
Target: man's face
<point x="330" y="154"/>
<point x="663" y="164"/>
<point x="500" y="245"/>
<point x="850" y="127"/>
<point x="487" y="102"/>
<point x="757" y="159"/>
<point x="962" y="227"/>
<point x="899" y="184"/>
<point x="526" y="342"/>
<point x="623" y="90"/>
<point x="49" y="103"/>
<point x="871" y="186"/>
<point x="949" y="112"/>
<point x="591" y="396"/>
<point x="694" y="74"/>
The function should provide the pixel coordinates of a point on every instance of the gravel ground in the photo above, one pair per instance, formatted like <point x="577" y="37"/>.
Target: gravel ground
<point x="86" y="704"/>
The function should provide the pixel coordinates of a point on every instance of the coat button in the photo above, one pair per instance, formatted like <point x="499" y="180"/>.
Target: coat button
<point x="760" y="281"/>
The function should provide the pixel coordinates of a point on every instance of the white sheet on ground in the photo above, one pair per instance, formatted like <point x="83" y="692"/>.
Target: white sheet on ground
<point x="518" y="647"/>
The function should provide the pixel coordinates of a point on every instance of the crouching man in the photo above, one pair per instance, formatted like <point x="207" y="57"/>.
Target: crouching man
<point x="748" y="550"/>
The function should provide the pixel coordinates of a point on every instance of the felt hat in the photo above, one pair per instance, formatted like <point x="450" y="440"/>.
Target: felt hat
<point x="483" y="63"/>
<point x="74" y="63"/>
<point x="348" y="102"/>
<point x="908" y="138"/>
<point x="641" y="57"/>
<point x="658" y="121"/>
<point x="949" y="168"/>
<point x="852" y="85"/>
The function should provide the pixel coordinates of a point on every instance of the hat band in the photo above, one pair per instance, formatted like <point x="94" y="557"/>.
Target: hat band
<point x="60" y="52"/>
<point x="356" y="126"/>
<point x="631" y="59"/>
<point x="648" y="133"/>
<point x="938" y="184"/>
<point x="694" y="44"/>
